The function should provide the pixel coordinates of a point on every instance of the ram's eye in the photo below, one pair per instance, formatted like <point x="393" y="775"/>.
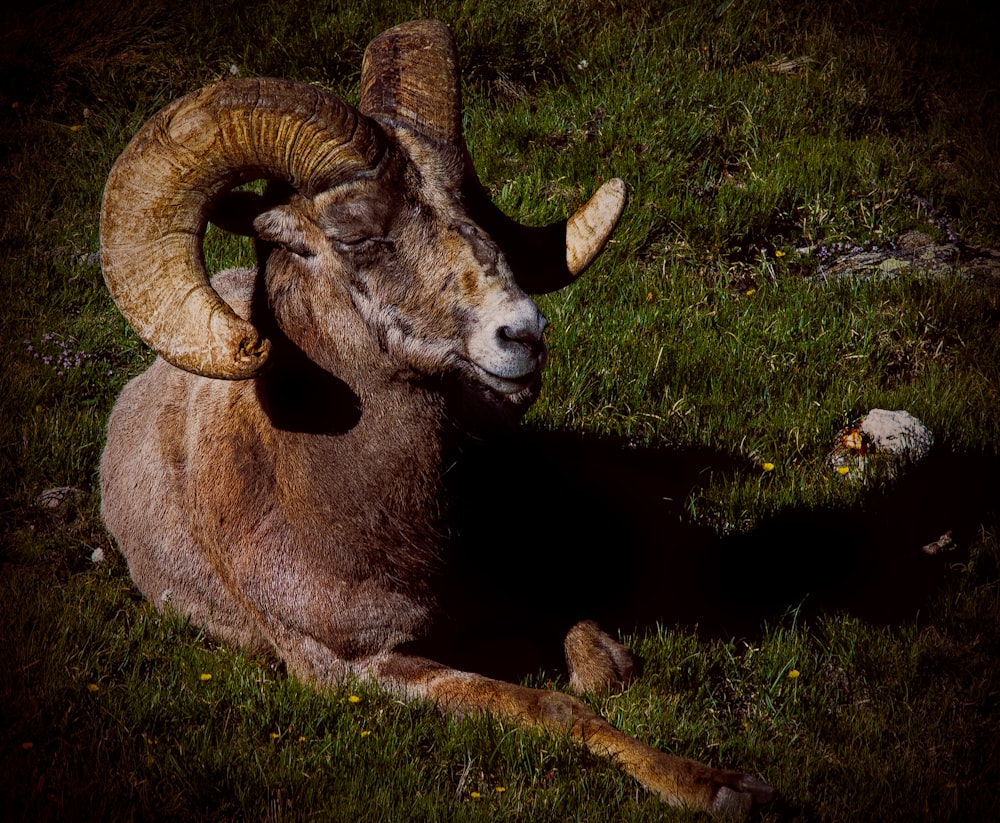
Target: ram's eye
<point x="352" y="222"/>
<point x="358" y="244"/>
<point x="350" y="240"/>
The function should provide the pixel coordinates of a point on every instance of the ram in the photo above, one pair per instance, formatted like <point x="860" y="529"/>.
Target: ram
<point x="277" y="474"/>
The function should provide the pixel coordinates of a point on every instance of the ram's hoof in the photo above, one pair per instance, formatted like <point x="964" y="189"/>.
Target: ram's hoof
<point x="739" y="795"/>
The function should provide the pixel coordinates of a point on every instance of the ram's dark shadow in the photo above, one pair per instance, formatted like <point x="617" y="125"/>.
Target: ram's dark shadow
<point x="559" y="527"/>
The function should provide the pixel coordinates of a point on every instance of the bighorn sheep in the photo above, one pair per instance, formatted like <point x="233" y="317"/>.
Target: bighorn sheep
<point x="277" y="473"/>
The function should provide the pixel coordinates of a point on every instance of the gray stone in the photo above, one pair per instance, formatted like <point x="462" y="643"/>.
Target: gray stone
<point x="61" y="504"/>
<point x="913" y="254"/>
<point x="945" y="543"/>
<point x="59" y="497"/>
<point x="879" y="445"/>
<point x="898" y="433"/>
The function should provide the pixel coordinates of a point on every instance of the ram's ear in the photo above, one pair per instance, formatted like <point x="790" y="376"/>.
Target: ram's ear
<point x="286" y="227"/>
<point x="235" y="211"/>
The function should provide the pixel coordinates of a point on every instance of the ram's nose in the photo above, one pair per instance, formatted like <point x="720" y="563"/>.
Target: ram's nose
<point x="509" y="343"/>
<point x="523" y="330"/>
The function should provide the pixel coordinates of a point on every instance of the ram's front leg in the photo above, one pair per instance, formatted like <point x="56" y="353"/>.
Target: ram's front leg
<point x="677" y="780"/>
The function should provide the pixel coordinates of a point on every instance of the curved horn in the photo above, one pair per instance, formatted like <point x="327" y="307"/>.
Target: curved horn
<point x="158" y="193"/>
<point x="410" y="76"/>
<point x="547" y="258"/>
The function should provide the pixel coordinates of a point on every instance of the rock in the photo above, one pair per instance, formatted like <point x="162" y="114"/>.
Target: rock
<point x="945" y="543"/>
<point x="898" y="433"/>
<point x="911" y="240"/>
<point x="913" y="254"/>
<point x="892" y="438"/>
<point x="59" y="497"/>
<point x="61" y="503"/>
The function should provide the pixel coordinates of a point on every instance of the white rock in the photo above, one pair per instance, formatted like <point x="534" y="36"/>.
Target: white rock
<point x="879" y="445"/>
<point x="59" y="497"/>
<point x="898" y="433"/>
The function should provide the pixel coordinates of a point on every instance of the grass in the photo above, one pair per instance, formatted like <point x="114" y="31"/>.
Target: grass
<point x="750" y="134"/>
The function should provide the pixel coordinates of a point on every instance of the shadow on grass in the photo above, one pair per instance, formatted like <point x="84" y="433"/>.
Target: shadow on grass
<point x="559" y="527"/>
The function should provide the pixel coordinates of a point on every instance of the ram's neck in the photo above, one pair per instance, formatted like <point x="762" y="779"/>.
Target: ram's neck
<point x="366" y="466"/>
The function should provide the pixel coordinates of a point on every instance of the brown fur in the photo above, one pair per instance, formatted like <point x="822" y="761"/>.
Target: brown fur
<point x="302" y="511"/>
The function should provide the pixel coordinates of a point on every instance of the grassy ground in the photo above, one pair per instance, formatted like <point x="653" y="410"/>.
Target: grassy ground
<point x="863" y="678"/>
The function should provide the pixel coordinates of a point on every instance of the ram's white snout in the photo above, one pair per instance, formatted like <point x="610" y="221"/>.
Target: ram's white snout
<point x="506" y="347"/>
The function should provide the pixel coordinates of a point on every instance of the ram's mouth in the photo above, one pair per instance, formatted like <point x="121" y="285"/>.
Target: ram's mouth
<point x="506" y="385"/>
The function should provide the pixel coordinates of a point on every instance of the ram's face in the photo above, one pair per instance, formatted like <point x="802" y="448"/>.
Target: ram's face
<point x="431" y="287"/>
<point x="384" y="216"/>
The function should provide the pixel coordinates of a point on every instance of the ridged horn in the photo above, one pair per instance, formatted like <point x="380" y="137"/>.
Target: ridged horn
<point x="410" y="76"/>
<point x="547" y="258"/>
<point x="160" y="189"/>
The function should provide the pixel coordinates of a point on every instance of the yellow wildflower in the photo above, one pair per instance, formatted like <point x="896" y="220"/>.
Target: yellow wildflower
<point x="205" y="676"/>
<point x="365" y="732"/>
<point x="501" y="789"/>
<point x="768" y="467"/>
<point x="93" y="687"/>
<point x="842" y="470"/>
<point x="475" y="795"/>
<point x="793" y="674"/>
<point x="353" y="699"/>
<point x="779" y="253"/>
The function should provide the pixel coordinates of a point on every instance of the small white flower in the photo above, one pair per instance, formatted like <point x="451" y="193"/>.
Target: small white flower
<point x="582" y="65"/>
<point x="97" y="556"/>
<point x="234" y="69"/>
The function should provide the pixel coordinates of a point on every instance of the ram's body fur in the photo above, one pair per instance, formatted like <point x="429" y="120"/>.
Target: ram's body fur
<point x="298" y="507"/>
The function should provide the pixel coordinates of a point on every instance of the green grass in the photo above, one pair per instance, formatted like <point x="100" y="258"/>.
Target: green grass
<point x="703" y="326"/>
